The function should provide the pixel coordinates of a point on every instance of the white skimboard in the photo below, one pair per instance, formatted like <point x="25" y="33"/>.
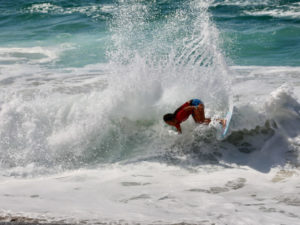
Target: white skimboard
<point x="223" y="131"/>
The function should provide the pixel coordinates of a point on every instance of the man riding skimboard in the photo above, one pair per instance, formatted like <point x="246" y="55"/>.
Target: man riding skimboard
<point x="194" y="107"/>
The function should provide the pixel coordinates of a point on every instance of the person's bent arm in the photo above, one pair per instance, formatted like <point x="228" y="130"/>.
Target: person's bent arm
<point x="178" y="127"/>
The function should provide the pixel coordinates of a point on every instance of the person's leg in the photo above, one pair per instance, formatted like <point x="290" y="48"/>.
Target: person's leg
<point x="199" y="115"/>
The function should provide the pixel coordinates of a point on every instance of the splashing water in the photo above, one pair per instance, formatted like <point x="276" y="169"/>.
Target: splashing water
<point x="154" y="65"/>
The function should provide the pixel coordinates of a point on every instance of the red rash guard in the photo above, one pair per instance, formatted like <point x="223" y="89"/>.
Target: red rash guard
<point x="181" y="114"/>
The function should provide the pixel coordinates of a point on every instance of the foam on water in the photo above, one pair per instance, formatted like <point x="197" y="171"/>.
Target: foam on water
<point x="93" y="10"/>
<point x="155" y="193"/>
<point x="88" y="144"/>
<point x="241" y="3"/>
<point x="291" y="11"/>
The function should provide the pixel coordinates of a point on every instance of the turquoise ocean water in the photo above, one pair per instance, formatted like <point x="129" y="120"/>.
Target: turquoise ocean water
<point x="252" y="32"/>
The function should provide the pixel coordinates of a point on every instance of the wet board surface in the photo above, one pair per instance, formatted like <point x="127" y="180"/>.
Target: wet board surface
<point x="223" y="131"/>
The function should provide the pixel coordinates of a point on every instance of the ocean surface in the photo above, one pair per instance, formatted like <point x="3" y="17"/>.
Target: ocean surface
<point x="83" y="89"/>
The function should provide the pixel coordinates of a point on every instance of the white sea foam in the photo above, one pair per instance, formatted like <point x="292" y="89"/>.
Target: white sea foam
<point x="94" y="11"/>
<point x="30" y="55"/>
<point x="293" y="11"/>
<point x="249" y="78"/>
<point x="242" y="3"/>
<point x="155" y="193"/>
<point x="271" y="8"/>
<point x="45" y="8"/>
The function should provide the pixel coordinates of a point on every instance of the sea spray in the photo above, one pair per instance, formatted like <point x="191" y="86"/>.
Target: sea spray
<point x="284" y="109"/>
<point x="154" y="65"/>
<point x="158" y="66"/>
<point x="178" y="57"/>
